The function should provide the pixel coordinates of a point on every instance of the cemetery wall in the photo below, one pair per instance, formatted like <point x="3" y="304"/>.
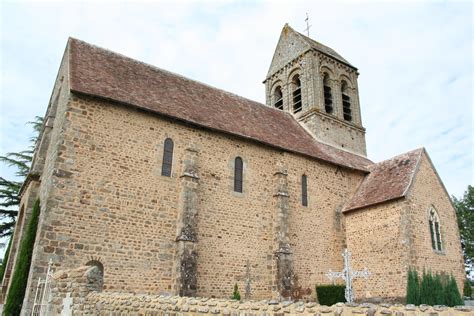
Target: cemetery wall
<point x="78" y="292"/>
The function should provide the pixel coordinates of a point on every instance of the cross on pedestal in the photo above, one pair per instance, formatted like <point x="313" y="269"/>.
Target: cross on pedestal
<point x="347" y="275"/>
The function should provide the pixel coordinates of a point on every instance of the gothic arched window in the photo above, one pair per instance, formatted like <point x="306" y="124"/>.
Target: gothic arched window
<point x="278" y="98"/>
<point x="304" y="190"/>
<point x="238" y="173"/>
<point x="346" y="101"/>
<point x="435" y="233"/>
<point x="167" y="158"/>
<point x="327" y="94"/>
<point x="296" y="85"/>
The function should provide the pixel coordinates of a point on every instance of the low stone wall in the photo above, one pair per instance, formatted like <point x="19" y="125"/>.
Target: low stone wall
<point x="135" y="304"/>
<point x="78" y="292"/>
<point x="70" y="288"/>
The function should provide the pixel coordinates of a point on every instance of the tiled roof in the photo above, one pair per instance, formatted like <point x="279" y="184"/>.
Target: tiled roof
<point x="101" y="73"/>
<point x="387" y="180"/>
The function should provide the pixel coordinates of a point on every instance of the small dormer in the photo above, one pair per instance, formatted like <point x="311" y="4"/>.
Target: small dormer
<point x="319" y="88"/>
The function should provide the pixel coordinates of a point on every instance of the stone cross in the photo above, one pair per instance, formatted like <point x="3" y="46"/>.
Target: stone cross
<point x="348" y="275"/>
<point x="67" y="302"/>
<point x="307" y="24"/>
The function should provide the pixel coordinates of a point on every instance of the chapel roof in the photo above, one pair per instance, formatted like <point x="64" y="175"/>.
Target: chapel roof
<point x="388" y="180"/>
<point x="101" y="73"/>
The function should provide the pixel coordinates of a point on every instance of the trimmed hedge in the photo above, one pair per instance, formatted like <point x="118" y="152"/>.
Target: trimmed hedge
<point x="5" y="260"/>
<point x="330" y="294"/>
<point x="16" y="293"/>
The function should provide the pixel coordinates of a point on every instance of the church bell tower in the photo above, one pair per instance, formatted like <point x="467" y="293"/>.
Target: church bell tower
<point x="319" y="88"/>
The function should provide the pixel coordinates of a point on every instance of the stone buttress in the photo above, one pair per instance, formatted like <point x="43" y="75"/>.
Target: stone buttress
<point x="283" y="253"/>
<point x="185" y="270"/>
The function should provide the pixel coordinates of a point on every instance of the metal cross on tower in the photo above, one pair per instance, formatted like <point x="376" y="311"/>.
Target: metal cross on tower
<point x="347" y="275"/>
<point x="307" y="24"/>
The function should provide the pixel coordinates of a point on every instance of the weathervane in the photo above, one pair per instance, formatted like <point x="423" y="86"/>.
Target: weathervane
<point x="307" y="24"/>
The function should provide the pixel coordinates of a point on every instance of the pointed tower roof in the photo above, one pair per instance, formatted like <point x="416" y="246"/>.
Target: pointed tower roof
<point x="292" y="44"/>
<point x="324" y="49"/>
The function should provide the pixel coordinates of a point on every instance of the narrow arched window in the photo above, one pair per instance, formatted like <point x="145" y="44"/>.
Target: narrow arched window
<point x="167" y="158"/>
<point x="346" y="101"/>
<point x="238" y="172"/>
<point x="435" y="233"/>
<point x="304" y="190"/>
<point x="296" y="84"/>
<point x="278" y="98"/>
<point x="327" y="94"/>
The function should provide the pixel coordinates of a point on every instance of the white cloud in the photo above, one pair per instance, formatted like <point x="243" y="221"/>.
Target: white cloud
<point x="414" y="59"/>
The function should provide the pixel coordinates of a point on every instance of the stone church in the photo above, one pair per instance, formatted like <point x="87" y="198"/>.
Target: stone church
<point x="173" y="186"/>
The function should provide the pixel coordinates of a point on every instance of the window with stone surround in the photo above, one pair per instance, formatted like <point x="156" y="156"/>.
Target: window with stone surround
<point x="167" y="158"/>
<point x="238" y="173"/>
<point x="304" y="190"/>
<point x="278" y="98"/>
<point x="435" y="230"/>
<point x="296" y="85"/>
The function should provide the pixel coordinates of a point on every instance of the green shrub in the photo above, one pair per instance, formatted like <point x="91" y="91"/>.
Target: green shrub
<point x="438" y="290"/>
<point x="330" y="294"/>
<point x="5" y="260"/>
<point x="467" y="289"/>
<point x="426" y="289"/>
<point x="236" y="293"/>
<point x="433" y="289"/>
<point x="413" y="288"/>
<point x="451" y="293"/>
<point x="22" y="268"/>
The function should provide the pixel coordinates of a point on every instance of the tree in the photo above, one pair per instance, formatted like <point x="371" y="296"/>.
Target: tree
<point x="413" y="288"/>
<point x="9" y="189"/>
<point x="465" y="215"/>
<point x="16" y="294"/>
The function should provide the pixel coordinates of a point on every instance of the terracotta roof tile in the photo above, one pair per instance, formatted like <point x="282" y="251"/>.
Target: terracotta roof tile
<point x="387" y="180"/>
<point x="98" y="72"/>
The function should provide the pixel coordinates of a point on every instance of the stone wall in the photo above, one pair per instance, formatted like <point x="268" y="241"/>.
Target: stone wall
<point x="78" y="292"/>
<point x="110" y="203"/>
<point x="428" y="191"/>
<point x="377" y="239"/>
<point x="70" y="288"/>
<point x="130" y="304"/>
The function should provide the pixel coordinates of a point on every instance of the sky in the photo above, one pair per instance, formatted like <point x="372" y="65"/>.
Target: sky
<point x="414" y="58"/>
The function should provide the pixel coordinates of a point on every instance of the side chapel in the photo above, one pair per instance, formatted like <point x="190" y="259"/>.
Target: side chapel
<point x="173" y="186"/>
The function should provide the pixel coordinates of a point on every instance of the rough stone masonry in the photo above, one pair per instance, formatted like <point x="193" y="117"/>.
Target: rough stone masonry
<point x="97" y="171"/>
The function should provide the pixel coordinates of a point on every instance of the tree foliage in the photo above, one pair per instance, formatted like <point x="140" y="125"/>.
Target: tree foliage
<point x="9" y="189"/>
<point x="465" y="216"/>
<point x="413" y="288"/>
<point x="5" y="260"/>
<point x="432" y="289"/>
<point x="19" y="280"/>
